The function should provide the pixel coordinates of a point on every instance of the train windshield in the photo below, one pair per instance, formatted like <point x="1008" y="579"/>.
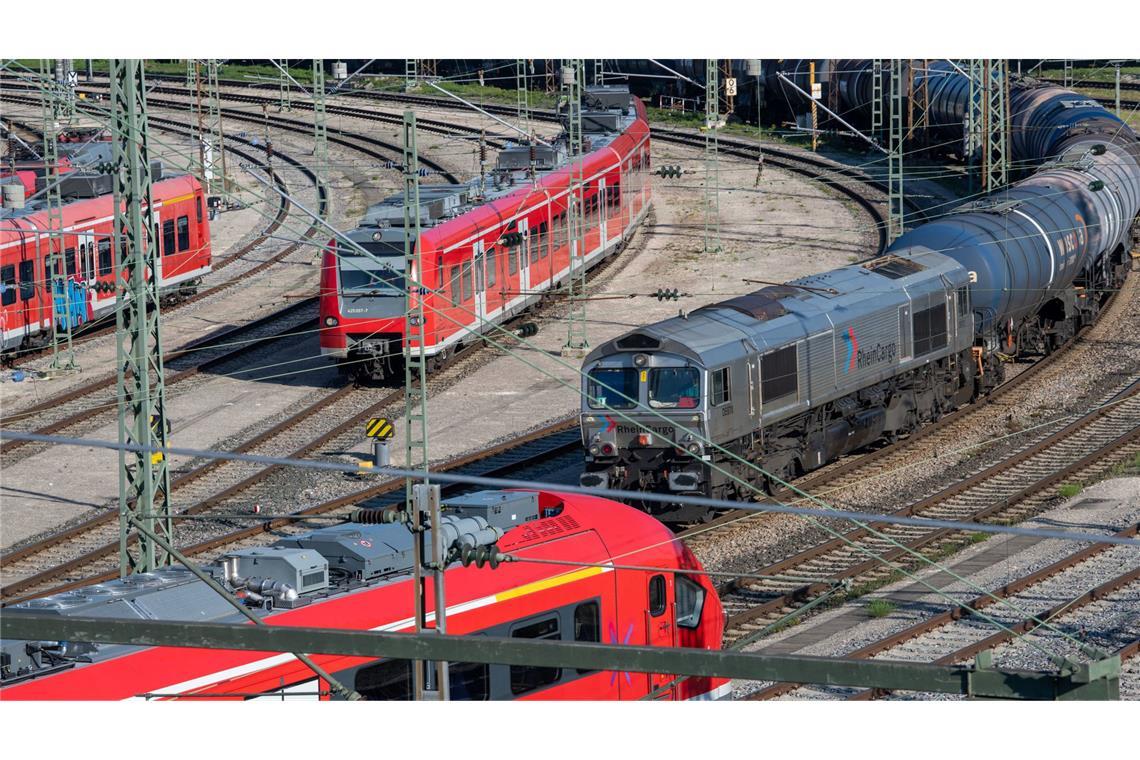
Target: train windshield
<point x="674" y="388"/>
<point x="361" y="276"/>
<point x="612" y="388"/>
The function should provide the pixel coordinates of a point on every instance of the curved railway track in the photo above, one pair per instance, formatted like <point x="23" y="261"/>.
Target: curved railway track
<point x="1006" y="490"/>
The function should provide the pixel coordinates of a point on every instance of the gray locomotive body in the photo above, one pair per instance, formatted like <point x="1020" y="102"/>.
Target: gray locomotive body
<point x="781" y="380"/>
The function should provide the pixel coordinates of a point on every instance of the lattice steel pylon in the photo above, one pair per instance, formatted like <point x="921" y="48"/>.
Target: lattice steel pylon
<point x="1068" y="72"/>
<point x="975" y="117"/>
<point x="415" y="378"/>
<point x="320" y="124"/>
<point x="285" y="87"/>
<point x="995" y="125"/>
<point x="522" y="96"/>
<point x="212" y="133"/>
<point x="572" y="76"/>
<point x="877" y="96"/>
<point x="895" y="156"/>
<point x="59" y="281"/>
<point x="712" y="163"/>
<point x="144" y="479"/>
<point x="599" y="71"/>
<point x="411" y="74"/>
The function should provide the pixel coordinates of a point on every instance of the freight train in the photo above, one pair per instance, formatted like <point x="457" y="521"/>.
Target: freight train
<point x="636" y="585"/>
<point x="490" y="248"/>
<point x="778" y="382"/>
<point x="70" y="278"/>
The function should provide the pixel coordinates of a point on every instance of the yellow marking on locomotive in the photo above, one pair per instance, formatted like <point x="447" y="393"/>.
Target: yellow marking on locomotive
<point x="549" y="583"/>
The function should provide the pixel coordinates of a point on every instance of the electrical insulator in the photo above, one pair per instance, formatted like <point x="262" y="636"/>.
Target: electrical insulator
<point x="533" y="153"/>
<point x="483" y="147"/>
<point x="664" y="294"/>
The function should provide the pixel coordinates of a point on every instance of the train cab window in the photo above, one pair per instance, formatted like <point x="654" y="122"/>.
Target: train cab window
<point x="27" y="280"/>
<point x="720" y="391"/>
<point x="106" y="265"/>
<point x="466" y="282"/>
<point x="963" y="302"/>
<point x="526" y="678"/>
<point x="779" y="374"/>
<point x="198" y="208"/>
<point x="387" y="680"/>
<point x="69" y="259"/>
<point x="168" y="237"/>
<point x="454" y="279"/>
<point x="929" y="329"/>
<point x="612" y="388"/>
<point x="587" y="625"/>
<point x="8" y="285"/>
<point x="492" y="270"/>
<point x="674" y="387"/>
<point x="690" y="602"/>
<point x="184" y="233"/>
<point x="657" y="595"/>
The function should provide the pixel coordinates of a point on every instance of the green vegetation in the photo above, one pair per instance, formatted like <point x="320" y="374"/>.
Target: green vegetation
<point x="1069" y="490"/>
<point x="1095" y="74"/>
<point x="1126" y="467"/>
<point x="977" y="538"/>
<point x="476" y="93"/>
<point x="880" y="608"/>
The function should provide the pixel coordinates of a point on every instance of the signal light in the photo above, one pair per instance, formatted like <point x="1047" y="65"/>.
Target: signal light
<point x="511" y="239"/>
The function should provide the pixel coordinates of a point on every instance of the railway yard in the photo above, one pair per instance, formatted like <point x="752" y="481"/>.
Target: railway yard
<point x="570" y="379"/>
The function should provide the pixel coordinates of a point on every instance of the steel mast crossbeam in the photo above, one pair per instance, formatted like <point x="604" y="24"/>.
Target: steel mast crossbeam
<point x="144" y="478"/>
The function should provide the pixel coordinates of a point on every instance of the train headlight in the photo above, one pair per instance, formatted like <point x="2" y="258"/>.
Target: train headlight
<point x="331" y="321"/>
<point x="595" y="450"/>
<point x="377" y="236"/>
<point x="694" y="448"/>
<point x="640" y="360"/>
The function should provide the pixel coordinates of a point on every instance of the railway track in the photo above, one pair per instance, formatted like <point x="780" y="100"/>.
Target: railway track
<point x="1006" y="490"/>
<point x="512" y="458"/>
<point x="959" y="633"/>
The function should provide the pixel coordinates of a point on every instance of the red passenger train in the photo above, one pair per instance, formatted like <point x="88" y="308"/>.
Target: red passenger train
<point x="356" y="576"/>
<point x="85" y="260"/>
<point x="491" y="248"/>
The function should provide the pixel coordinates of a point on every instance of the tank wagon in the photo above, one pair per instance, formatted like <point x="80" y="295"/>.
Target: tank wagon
<point x="357" y="576"/>
<point x="787" y="378"/>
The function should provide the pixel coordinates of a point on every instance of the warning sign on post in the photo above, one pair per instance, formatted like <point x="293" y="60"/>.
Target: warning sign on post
<point x="380" y="427"/>
<point x="816" y="91"/>
<point x="730" y="86"/>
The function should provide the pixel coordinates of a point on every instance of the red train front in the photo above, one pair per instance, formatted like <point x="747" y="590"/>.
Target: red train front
<point x="356" y="577"/>
<point x="490" y="248"/>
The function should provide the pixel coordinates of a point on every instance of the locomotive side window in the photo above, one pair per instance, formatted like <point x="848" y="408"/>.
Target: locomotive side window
<point x="8" y="285"/>
<point x="467" y="281"/>
<point x="183" y="233"/>
<point x="492" y="269"/>
<point x="387" y="680"/>
<point x="198" y="208"/>
<point x="512" y="260"/>
<point x="675" y="387"/>
<point x="690" y="602"/>
<point x="612" y="388"/>
<point x="168" y="237"/>
<point x="657" y="595"/>
<point x="69" y="258"/>
<point x="543" y="240"/>
<point x="84" y="262"/>
<point x="454" y="278"/>
<point x="963" y="302"/>
<point x="27" y="280"/>
<point x="526" y="678"/>
<point x="106" y="265"/>
<point x="469" y="681"/>
<point x="778" y="372"/>
<point x="929" y="329"/>
<point x="719" y="392"/>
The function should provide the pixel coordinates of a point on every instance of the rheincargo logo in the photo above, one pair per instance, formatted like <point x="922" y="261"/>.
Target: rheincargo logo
<point x="860" y="358"/>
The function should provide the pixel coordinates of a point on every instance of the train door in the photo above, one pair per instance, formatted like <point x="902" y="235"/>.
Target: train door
<point x="603" y="213"/>
<point x="660" y="630"/>
<point x="524" y="257"/>
<point x="480" y="283"/>
<point x="87" y="271"/>
<point x="905" y="336"/>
